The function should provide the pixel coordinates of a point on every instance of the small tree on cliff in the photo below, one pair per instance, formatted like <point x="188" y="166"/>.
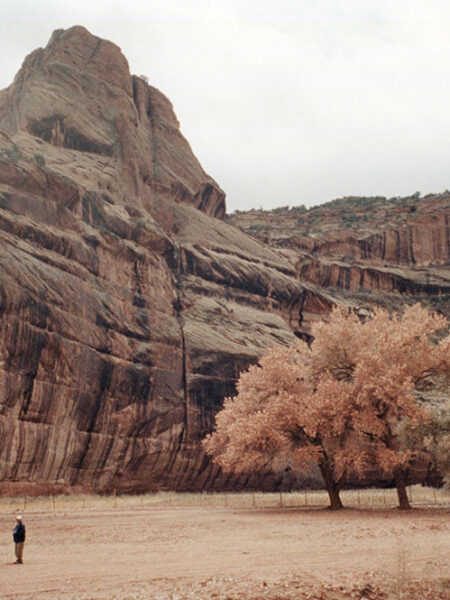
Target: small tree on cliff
<point x="305" y="405"/>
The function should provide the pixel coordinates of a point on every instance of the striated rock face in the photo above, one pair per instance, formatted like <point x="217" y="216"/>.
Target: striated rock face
<point x="127" y="307"/>
<point x="78" y="94"/>
<point x="365" y="250"/>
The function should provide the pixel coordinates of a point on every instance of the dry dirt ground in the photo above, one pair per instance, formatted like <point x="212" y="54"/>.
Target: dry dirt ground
<point x="206" y="553"/>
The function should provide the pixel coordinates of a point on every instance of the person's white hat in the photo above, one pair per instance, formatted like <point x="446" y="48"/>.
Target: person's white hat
<point x="19" y="518"/>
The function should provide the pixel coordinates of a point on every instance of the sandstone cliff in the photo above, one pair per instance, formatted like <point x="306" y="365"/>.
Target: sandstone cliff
<point x="365" y="250"/>
<point x="127" y="307"/>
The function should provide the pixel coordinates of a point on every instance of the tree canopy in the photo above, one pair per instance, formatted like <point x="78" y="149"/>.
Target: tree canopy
<point x="337" y="402"/>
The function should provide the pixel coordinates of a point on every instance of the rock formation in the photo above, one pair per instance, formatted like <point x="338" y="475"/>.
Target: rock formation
<point x="365" y="250"/>
<point x="128" y="307"/>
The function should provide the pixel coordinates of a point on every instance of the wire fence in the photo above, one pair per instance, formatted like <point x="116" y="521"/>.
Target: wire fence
<point x="356" y="498"/>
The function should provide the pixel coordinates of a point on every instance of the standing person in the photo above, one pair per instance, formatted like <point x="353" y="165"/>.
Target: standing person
<point x="19" y="539"/>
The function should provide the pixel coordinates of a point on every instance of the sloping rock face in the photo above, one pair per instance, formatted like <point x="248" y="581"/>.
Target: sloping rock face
<point x="127" y="307"/>
<point x="78" y="94"/>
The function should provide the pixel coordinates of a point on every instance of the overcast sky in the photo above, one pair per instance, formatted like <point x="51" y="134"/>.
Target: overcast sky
<point x="284" y="101"/>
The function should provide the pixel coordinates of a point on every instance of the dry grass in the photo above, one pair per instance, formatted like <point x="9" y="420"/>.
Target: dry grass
<point x="402" y="584"/>
<point x="364" y="498"/>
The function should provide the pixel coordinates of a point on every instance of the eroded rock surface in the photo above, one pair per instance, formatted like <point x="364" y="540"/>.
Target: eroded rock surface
<point x="128" y="308"/>
<point x="365" y="250"/>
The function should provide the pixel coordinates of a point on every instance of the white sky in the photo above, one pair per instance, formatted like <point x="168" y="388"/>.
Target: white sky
<point x="284" y="101"/>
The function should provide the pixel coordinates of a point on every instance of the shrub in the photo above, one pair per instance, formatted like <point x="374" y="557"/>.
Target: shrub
<point x="39" y="159"/>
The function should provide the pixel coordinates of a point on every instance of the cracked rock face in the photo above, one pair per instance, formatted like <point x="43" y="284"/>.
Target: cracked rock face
<point x="127" y="306"/>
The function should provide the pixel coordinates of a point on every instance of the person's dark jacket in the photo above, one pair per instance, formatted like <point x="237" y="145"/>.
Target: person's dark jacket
<point x="19" y="533"/>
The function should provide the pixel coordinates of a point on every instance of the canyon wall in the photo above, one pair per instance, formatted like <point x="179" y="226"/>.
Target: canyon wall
<point x="128" y="307"/>
<point x="365" y="250"/>
<point x="128" y="303"/>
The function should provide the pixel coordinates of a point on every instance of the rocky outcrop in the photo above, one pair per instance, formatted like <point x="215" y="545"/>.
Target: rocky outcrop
<point x="421" y="241"/>
<point x="365" y="250"/>
<point x="127" y="307"/>
<point x="78" y="94"/>
<point x="354" y="277"/>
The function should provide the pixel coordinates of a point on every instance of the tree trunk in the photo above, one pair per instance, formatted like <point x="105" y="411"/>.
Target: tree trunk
<point x="403" y="502"/>
<point x="335" y="500"/>
<point x="333" y="488"/>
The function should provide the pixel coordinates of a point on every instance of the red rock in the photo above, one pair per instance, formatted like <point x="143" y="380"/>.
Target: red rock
<point x="127" y="309"/>
<point x="365" y="251"/>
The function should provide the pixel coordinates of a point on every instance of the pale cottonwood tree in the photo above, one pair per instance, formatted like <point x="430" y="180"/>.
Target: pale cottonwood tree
<point x="394" y="354"/>
<point x="317" y="404"/>
<point x="280" y="418"/>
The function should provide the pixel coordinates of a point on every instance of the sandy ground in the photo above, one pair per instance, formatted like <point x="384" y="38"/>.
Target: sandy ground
<point x="176" y="553"/>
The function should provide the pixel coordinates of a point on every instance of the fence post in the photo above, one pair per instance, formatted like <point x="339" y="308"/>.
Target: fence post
<point x="306" y="496"/>
<point x="53" y="501"/>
